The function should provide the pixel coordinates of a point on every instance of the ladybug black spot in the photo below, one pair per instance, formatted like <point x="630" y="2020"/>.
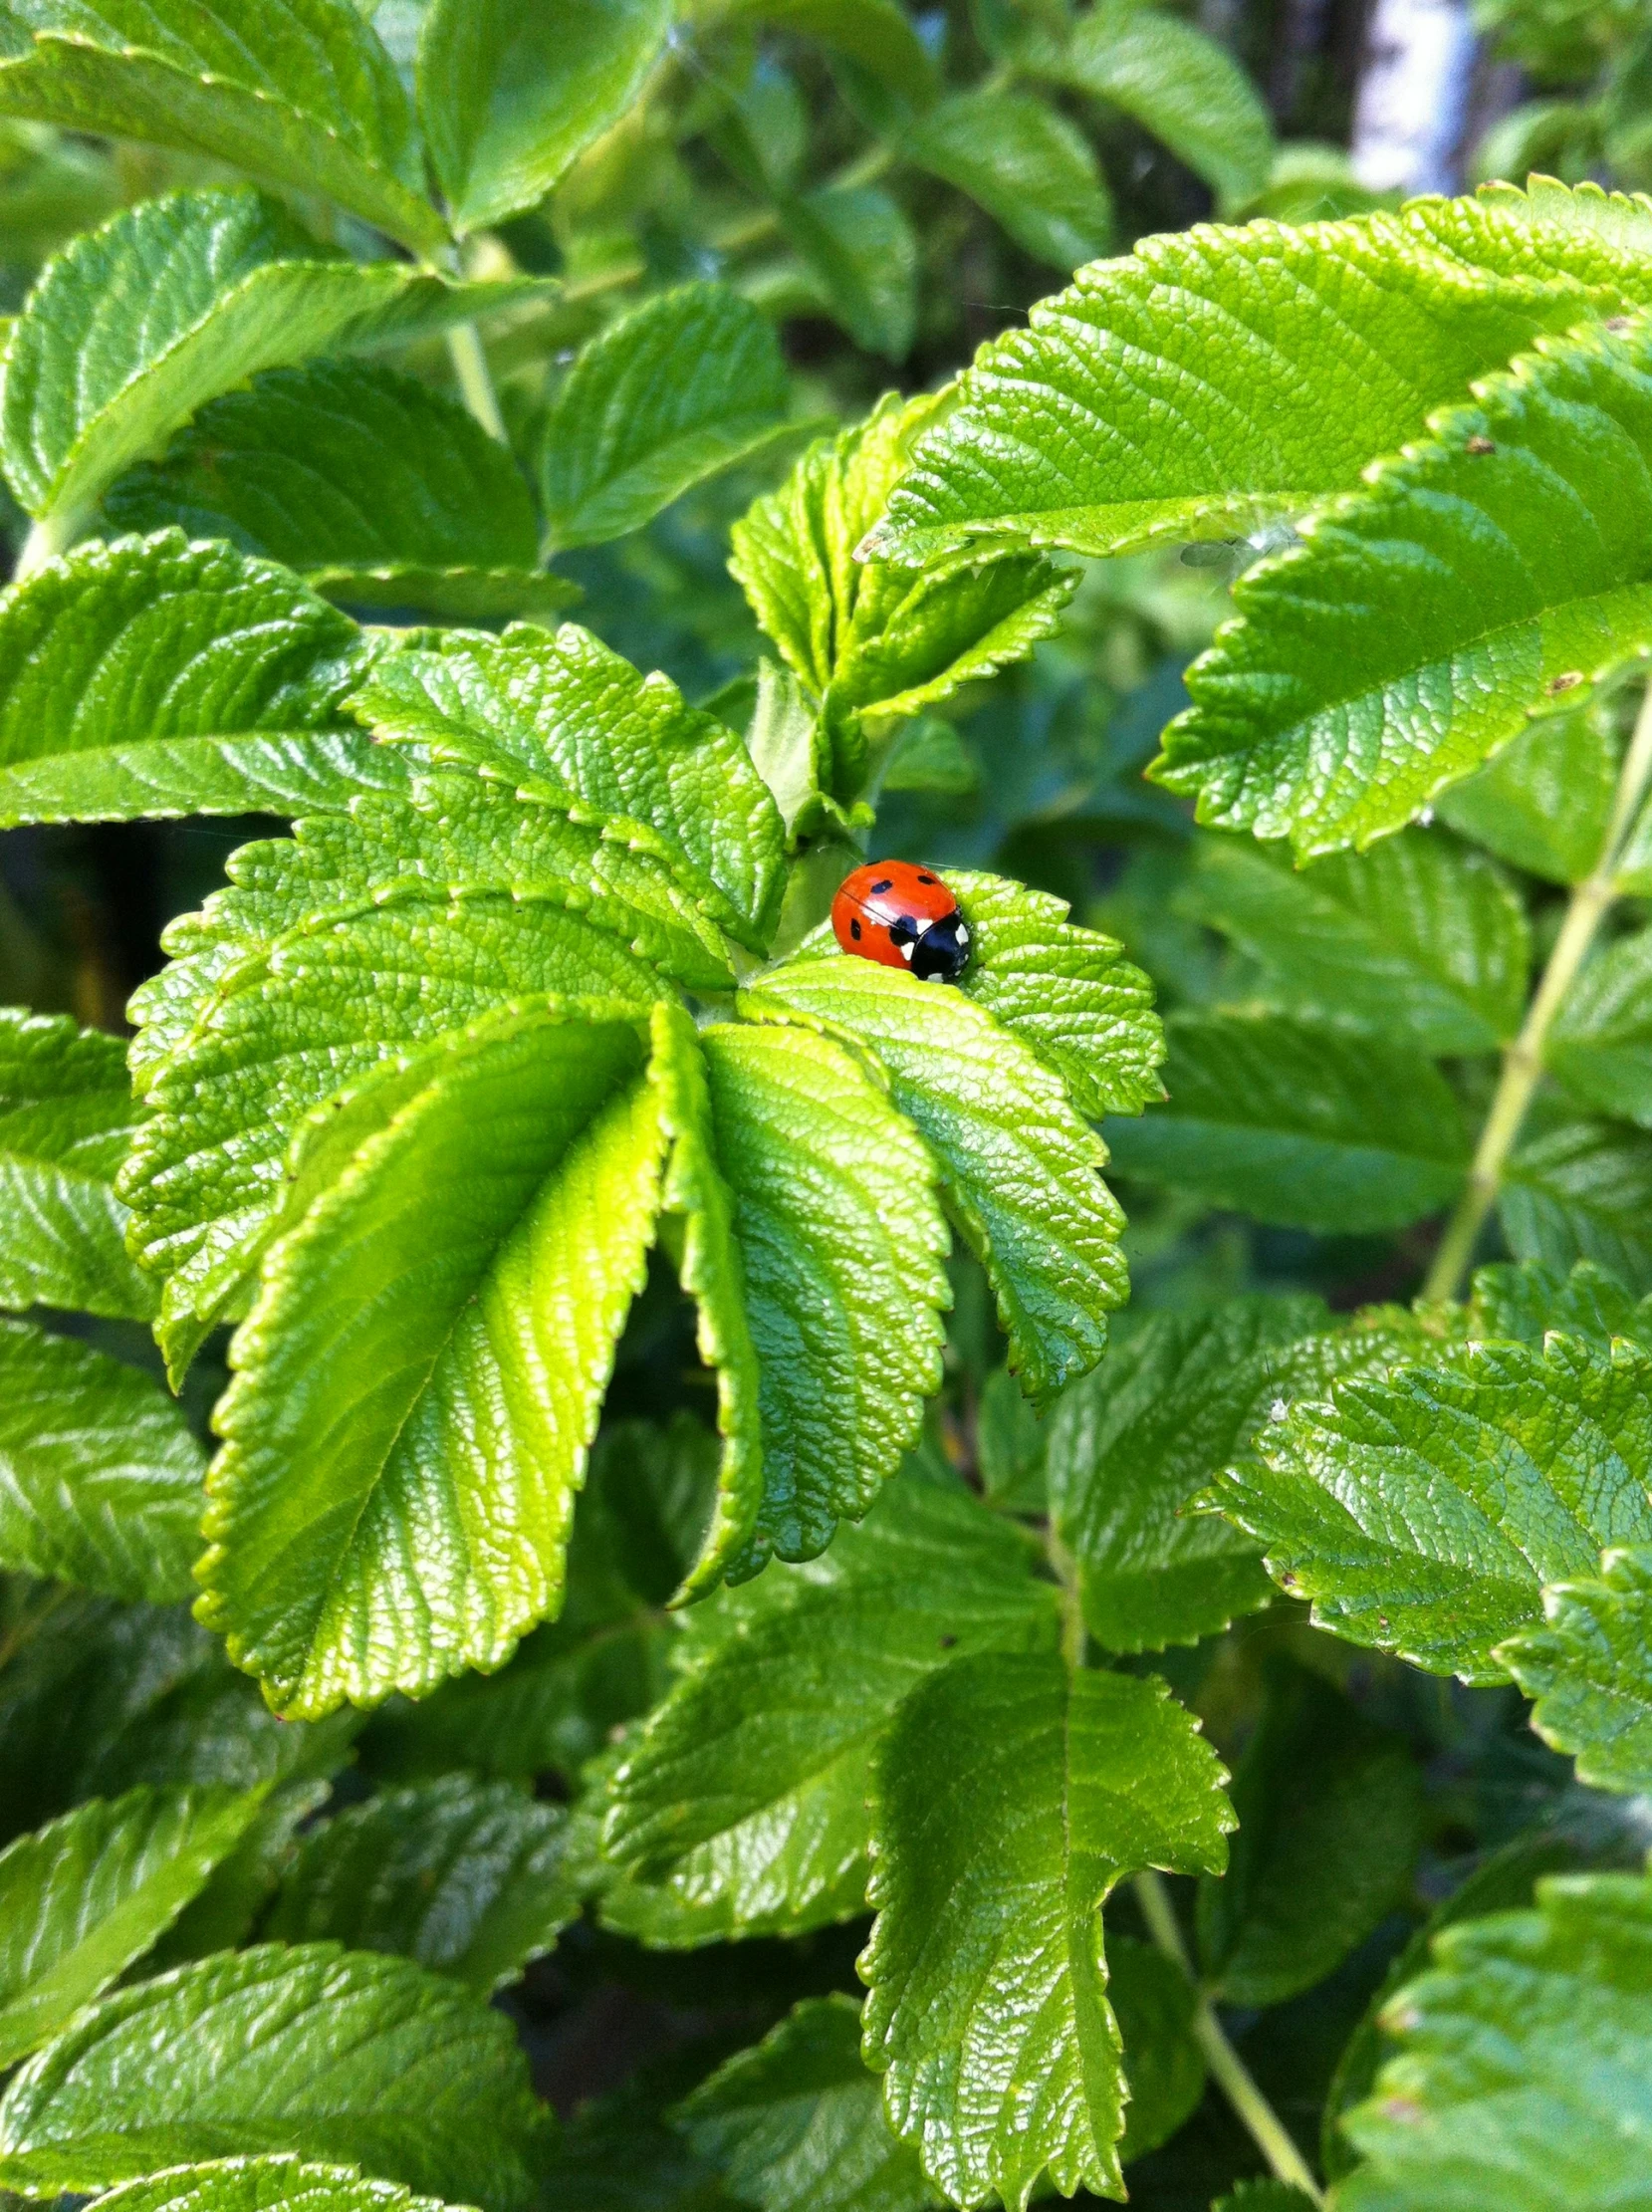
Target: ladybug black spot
<point x="922" y="879"/>
<point x="854" y="931"/>
<point x="886" y="884"/>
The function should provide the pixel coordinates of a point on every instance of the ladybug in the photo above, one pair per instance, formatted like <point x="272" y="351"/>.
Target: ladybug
<point x="902" y="916"/>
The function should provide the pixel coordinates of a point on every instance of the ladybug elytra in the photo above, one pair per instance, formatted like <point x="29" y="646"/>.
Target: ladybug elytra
<point x="902" y="916"/>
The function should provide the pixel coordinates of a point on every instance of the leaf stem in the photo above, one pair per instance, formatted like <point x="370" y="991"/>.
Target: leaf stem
<point x="1522" y="1060"/>
<point x="470" y="365"/>
<point x="1231" y="2076"/>
<point x="52" y="535"/>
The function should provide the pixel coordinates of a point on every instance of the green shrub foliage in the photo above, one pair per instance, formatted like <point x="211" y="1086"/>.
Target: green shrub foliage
<point x="661" y="1399"/>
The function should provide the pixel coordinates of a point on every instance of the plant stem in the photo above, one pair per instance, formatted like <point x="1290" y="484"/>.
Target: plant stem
<point x="1522" y="1062"/>
<point x="470" y="365"/>
<point x="1231" y="2076"/>
<point x="52" y="535"/>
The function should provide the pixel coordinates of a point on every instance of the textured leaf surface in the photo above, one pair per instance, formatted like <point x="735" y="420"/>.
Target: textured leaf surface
<point x="287" y="994"/>
<point x="839" y="1232"/>
<point x="1426" y="1515"/>
<point x="165" y="678"/>
<point x="745" y="1794"/>
<point x="1066" y="992"/>
<point x="84" y="1898"/>
<point x="1009" y="1798"/>
<point x="1515" y="540"/>
<point x="418" y="1383"/>
<point x="1527" y="1300"/>
<point x="379" y="491"/>
<point x="1420" y="939"/>
<point x="1524" y="2076"/>
<point x="509" y="95"/>
<point x="99" y="1476"/>
<point x="337" y="2055"/>
<point x="799" y="2122"/>
<point x="567" y="717"/>
<point x="1600" y="1045"/>
<point x="65" y="1119"/>
<point x="867" y="639"/>
<point x="1021" y="1170"/>
<point x="297" y="90"/>
<point x="1183" y="86"/>
<point x="1154" y="2002"/>
<point x="1545" y="800"/>
<point x="711" y="1272"/>
<point x="1588" y="1668"/>
<point x="1025" y="164"/>
<point x="1331" y="1816"/>
<point x="1298" y="1123"/>
<point x="1580" y="1190"/>
<point x="262" y="2185"/>
<point x="470" y="1879"/>
<point x="1182" y="391"/>
<point x="687" y="383"/>
<point x="104" y="1697"/>
<point x="171" y="303"/>
<point x="1133" y="1444"/>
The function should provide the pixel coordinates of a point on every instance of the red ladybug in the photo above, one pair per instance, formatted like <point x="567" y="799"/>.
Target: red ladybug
<point x="902" y="916"/>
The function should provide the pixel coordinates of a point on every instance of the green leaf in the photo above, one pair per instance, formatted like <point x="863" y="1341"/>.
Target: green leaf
<point x="339" y="2055"/>
<point x="224" y="1912"/>
<point x="1020" y="1169"/>
<point x="1058" y="437"/>
<point x="1265" y="2196"/>
<point x="866" y="639"/>
<point x="1128" y="1449"/>
<point x="216" y="285"/>
<point x="798" y="2122"/>
<point x="689" y="382"/>
<point x="470" y="1879"/>
<point x="99" y="1698"/>
<point x="261" y="2185"/>
<point x="1154" y="2002"/>
<point x="876" y="34"/>
<point x="417" y="1385"/>
<point x="84" y="1898"/>
<point x="1545" y="800"/>
<point x="65" y="1119"/>
<point x="1498" y="564"/>
<point x="1330" y="1814"/>
<point x="297" y="90"/>
<point x="840" y="1244"/>
<point x="1502" y="1884"/>
<point x="859" y="248"/>
<point x="510" y="96"/>
<point x="275" y="1006"/>
<point x="711" y="1272"/>
<point x="1297" y="1124"/>
<point x="165" y="678"/>
<point x="744" y="1797"/>
<point x="99" y="1476"/>
<point x="1066" y="992"/>
<point x="569" y="720"/>
<point x="1009" y="1798"/>
<point x="1179" y="85"/>
<point x="1524" y="2073"/>
<point x="1025" y="164"/>
<point x="376" y="489"/>
<point x="1598" y="1043"/>
<point x="1580" y="1190"/>
<point x="1419" y="940"/>
<point x="1587" y="1669"/>
<point x="1527" y="1300"/>
<point x="1425" y="1514"/>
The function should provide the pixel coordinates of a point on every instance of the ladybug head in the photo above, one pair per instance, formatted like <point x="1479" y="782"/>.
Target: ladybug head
<point x="942" y="951"/>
